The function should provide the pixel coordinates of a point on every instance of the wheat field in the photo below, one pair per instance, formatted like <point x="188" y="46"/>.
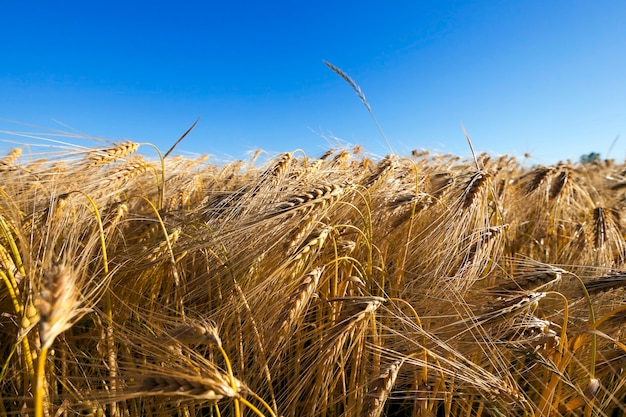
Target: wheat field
<point x="340" y="285"/>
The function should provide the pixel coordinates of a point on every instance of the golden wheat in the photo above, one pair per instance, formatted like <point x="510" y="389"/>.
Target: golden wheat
<point x="11" y="157"/>
<point x="118" y="151"/>
<point x="58" y="303"/>
<point x="210" y="388"/>
<point x="298" y="301"/>
<point x="379" y="390"/>
<point x="495" y="291"/>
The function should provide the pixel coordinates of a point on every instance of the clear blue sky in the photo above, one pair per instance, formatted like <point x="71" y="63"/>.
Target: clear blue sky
<point x="544" y="77"/>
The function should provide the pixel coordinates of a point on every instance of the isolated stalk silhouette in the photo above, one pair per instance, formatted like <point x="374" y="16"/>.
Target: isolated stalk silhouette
<point x="360" y="94"/>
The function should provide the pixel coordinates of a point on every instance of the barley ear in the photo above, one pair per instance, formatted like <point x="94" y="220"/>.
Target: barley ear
<point x="298" y="302"/>
<point x="58" y="303"/>
<point x="359" y="93"/>
<point x="197" y="334"/>
<point x="209" y="387"/>
<point x="380" y="389"/>
<point x="118" y="151"/>
<point x="350" y="81"/>
<point x="58" y="307"/>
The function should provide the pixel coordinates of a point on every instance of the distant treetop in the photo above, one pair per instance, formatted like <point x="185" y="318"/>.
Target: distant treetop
<point x="589" y="158"/>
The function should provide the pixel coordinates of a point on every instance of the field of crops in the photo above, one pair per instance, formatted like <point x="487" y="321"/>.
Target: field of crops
<point x="340" y="285"/>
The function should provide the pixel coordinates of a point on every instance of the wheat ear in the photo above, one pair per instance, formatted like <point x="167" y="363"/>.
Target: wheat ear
<point x="196" y="334"/>
<point x="559" y="184"/>
<point x="211" y="388"/>
<point x="606" y="282"/>
<point x="133" y="167"/>
<point x="298" y="301"/>
<point x="600" y="227"/>
<point x="473" y="188"/>
<point x="311" y="200"/>
<point x="540" y="176"/>
<point x="11" y="157"/>
<point x="356" y="312"/>
<point x="359" y="93"/>
<point x="58" y="307"/>
<point x="58" y="304"/>
<point x="379" y="390"/>
<point x="351" y="82"/>
<point x="383" y="168"/>
<point x="279" y="167"/>
<point x="118" y="151"/>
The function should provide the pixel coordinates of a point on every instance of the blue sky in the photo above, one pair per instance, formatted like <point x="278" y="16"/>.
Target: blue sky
<point x="539" y="77"/>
